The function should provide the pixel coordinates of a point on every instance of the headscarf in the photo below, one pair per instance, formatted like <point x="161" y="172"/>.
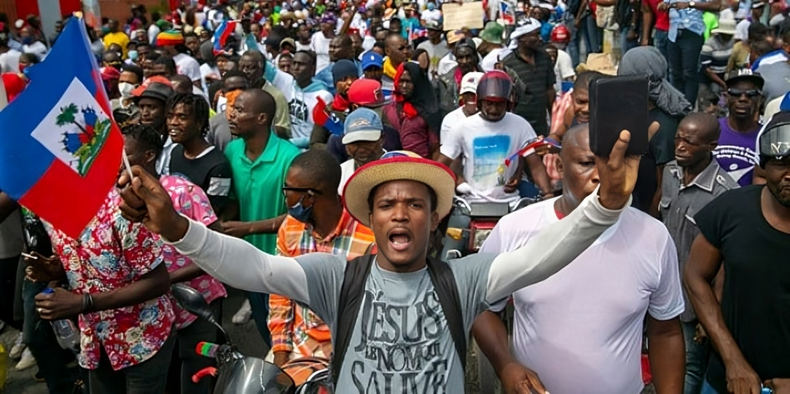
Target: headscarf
<point x="649" y="61"/>
<point x="422" y="100"/>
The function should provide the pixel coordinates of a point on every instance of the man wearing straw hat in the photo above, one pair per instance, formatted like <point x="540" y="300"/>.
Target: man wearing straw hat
<point x="400" y="338"/>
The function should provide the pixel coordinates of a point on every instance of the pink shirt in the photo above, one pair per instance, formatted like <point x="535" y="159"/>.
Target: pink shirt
<point x="192" y="202"/>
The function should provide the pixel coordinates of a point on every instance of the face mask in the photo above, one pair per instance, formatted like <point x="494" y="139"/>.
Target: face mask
<point x="300" y="213"/>
<point x="126" y="89"/>
<point x="27" y="40"/>
<point x="22" y="67"/>
<point x="133" y="55"/>
<point x="431" y="6"/>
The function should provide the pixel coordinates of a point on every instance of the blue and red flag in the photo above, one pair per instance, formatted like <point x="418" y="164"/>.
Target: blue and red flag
<point x="61" y="150"/>
<point x="507" y="13"/>
<point x="221" y="35"/>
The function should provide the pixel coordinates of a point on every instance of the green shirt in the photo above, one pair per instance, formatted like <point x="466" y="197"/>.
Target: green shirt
<point x="258" y="185"/>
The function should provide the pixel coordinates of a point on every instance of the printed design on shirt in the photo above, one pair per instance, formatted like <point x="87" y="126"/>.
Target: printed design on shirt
<point x="298" y="110"/>
<point x="402" y="346"/>
<point x="736" y="160"/>
<point x="489" y="154"/>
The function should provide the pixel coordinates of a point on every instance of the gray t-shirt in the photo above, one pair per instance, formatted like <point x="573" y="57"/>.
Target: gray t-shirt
<point x="400" y="342"/>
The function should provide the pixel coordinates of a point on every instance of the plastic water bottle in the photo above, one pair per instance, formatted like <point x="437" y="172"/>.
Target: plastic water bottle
<point x="3" y="366"/>
<point x="65" y="331"/>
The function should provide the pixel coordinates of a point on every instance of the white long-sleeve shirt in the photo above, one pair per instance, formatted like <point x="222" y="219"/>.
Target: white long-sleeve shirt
<point x="400" y="315"/>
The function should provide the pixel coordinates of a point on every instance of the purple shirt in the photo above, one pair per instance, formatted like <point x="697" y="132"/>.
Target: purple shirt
<point x="736" y="153"/>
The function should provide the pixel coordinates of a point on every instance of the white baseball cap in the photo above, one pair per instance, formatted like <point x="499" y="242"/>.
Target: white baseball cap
<point x="469" y="82"/>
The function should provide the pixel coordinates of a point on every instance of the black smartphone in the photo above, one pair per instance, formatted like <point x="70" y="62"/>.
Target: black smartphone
<point x="617" y="104"/>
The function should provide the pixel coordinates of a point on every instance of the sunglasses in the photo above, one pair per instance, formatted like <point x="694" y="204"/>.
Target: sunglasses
<point x="751" y="93"/>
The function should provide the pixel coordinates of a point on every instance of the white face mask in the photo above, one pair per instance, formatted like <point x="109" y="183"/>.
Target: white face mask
<point x="126" y="89"/>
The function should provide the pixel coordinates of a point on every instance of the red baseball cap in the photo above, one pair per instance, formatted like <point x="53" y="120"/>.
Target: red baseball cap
<point x="158" y="79"/>
<point x="367" y="93"/>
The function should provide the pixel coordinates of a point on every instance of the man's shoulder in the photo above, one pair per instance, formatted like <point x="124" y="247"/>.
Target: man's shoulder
<point x="234" y="149"/>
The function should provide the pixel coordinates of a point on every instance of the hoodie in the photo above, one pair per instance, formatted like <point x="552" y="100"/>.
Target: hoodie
<point x="301" y="106"/>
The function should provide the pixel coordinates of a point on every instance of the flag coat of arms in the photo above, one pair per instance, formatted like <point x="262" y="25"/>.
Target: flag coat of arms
<point x="61" y="150"/>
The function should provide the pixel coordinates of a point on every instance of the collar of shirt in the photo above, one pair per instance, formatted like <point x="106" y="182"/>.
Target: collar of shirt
<point x="704" y="180"/>
<point x="342" y="225"/>
<point x="269" y="154"/>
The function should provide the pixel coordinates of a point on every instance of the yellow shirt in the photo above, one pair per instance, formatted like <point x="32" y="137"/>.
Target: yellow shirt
<point x="119" y="38"/>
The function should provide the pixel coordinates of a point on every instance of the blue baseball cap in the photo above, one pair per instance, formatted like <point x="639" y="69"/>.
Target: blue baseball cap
<point x="371" y="58"/>
<point x="362" y="125"/>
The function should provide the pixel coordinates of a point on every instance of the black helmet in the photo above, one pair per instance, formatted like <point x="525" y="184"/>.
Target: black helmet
<point x="495" y="86"/>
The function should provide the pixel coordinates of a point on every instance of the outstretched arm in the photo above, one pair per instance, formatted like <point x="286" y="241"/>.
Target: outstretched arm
<point x="231" y="260"/>
<point x="559" y="244"/>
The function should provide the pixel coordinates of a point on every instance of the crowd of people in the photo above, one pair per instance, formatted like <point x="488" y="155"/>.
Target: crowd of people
<point x="308" y="150"/>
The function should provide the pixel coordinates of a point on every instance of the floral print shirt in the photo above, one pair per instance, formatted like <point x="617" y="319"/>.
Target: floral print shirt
<point x="110" y="254"/>
<point x="190" y="201"/>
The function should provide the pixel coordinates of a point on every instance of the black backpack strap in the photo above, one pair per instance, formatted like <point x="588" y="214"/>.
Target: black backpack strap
<point x="444" y="284"/>
<point x="351" y="294"/>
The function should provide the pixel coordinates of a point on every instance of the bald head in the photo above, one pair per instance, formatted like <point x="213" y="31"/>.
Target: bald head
<point x="577" y="137"/>
<point x="705" y="127"/>
<point x="260" y="102"/>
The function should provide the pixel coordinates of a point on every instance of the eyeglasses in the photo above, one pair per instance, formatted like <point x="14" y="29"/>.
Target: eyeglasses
<point x="309" y="191"/>
<point x="751" y="93"/>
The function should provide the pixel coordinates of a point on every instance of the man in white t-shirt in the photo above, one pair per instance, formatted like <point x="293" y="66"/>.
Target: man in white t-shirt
<point x="489" y="142"/>
<point x="435" y="46"/>
<point x="172" y="42"/>
<point x="319" y="43"/>
<point x="364" y="142"/>
<point x="9" y="58"/>
<point x="468" y="101"/>
<point x="431" y="14"/>
<point x="581" y="330"/>
<point x="563" y="66"/>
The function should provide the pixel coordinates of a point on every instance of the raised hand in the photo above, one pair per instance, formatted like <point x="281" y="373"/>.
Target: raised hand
<point x="144" y="200"/>
<point x="618" y="172"/>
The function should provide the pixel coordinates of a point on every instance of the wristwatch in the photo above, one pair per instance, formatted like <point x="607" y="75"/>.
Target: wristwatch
<point x="692" y="4"/>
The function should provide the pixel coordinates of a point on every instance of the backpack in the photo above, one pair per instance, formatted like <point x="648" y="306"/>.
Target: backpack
<point x="353" y="290"/>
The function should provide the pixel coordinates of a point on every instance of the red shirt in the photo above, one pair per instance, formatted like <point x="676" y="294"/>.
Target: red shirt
<point x="662" y="17"/>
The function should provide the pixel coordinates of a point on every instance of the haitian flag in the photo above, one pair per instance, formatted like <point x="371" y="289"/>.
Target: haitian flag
<point x="506" y="13"/>
<point x="224" y="31"/>
<point x="61" y="149"/>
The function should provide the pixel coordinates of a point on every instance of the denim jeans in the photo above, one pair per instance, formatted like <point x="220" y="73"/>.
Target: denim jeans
<point x="589" y="31"/>
<point x="148" y="377"/>
<point x="259" y="303"/>
<point x="707" y="388"/>
<point x="39" y="337"/>
<point x="684" y="63"/>
<point x="660" y="41"/>
<point x="697" y="355"/>
<point x="625" y="44"/>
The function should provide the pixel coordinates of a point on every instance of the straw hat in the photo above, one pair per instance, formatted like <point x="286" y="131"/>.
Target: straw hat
<point x="394" y="166"/>
<point x="600" y="62"/>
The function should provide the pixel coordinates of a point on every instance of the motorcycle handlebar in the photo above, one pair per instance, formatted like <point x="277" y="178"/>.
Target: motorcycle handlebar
<point x="208" y="349"/>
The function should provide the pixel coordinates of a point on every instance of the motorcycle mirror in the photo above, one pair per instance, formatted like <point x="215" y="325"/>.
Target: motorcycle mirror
<point x="193" y="302"/>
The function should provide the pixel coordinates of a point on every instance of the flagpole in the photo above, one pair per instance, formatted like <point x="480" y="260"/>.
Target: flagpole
<point x="127" y="165"/>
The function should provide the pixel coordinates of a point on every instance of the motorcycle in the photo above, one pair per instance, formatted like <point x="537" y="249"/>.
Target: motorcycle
<point x="470" y="224"/>
<point x="240" y="374"/>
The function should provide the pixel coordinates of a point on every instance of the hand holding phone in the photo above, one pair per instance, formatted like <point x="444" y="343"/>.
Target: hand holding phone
<point x="617" y="104"/>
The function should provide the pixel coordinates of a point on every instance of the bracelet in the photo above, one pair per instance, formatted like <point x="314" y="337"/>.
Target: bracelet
<point x="87" y="303"/>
